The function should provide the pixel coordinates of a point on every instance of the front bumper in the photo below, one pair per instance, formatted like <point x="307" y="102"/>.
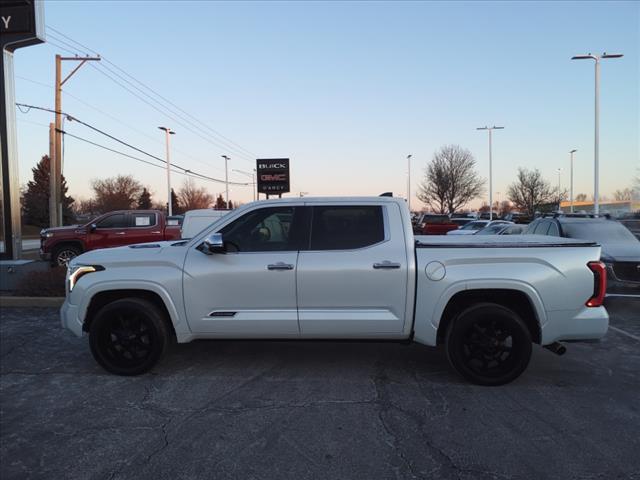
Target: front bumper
<point x="46" y="256"/>
<point x="70" y="319"/>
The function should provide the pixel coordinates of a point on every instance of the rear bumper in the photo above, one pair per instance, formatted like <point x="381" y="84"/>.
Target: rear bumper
<point x="588" y="324"/>
<point x="70" y="319"/>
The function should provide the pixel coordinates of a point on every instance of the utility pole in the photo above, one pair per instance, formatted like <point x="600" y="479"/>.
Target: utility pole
<point x="53" y="209"/>
<point x="168" y="132"/>
<point x="55" y="172"/>
<point x="226" y="178"/>
<point x="253" y="180"/>
<point x="596" y="146"/>
<point x="409" y="182"/>
<point x="490" y="129"/>
<point x="571" y="180"/>
<point x="559" y="170"/>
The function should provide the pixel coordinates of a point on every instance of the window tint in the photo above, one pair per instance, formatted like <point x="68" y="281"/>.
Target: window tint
<point x="262" y="230"/>
<point x="117" y="220"/>
<point x="541" y="228"/>
<point x="142" y="220"/>
<point x="346" y="227"/>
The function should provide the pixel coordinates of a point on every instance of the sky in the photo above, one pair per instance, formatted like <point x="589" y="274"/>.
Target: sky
<point x="346" y="90"/>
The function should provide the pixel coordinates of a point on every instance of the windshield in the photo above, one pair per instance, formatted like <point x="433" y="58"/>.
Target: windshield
<point x="603" y="232"/>
<point x="474" y="226"/>
<point x="492" y="230"/>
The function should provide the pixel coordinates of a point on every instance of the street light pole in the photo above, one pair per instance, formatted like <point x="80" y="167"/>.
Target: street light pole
<point x="596" y="146"/>
<point x="571" y="180"/>
<point x="490" y="129"/>
<point x="253" y="180"/>
<point x="226" y="178"/>
<point x="409" y="182"/>
<point x="168" y="132"/>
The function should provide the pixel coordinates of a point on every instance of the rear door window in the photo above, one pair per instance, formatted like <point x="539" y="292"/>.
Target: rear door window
<point x="346" y="227"/>
<point x="143" y="220"/>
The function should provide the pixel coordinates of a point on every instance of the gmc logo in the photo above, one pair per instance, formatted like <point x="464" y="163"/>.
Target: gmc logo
<point x="278" y="177"/>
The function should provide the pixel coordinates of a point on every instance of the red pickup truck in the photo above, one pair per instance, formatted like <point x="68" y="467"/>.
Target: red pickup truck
<point x="433" y="224"/>
<point x="113" y="229"/>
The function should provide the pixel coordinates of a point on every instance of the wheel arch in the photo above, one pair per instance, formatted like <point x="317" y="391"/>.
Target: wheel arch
<point x="71" y="243"/>
<point x="106" y="296"/>
<point x="515" y="299"/>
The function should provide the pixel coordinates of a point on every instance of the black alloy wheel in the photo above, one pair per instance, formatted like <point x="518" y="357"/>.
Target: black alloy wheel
<point x="488" y="344"/>
<point x="128" y="336"/>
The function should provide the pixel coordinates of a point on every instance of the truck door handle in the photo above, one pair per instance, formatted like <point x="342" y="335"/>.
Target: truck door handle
<point x="156" y="231"/>
<point x="280" y="266"/>
<point x="120" y="233"/>
<point x="386" y="265"/>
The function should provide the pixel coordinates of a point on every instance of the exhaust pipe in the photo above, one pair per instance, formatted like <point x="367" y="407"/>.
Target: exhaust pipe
<point x="557" y="348"/>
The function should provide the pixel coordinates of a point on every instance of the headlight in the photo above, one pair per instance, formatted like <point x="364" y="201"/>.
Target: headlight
<point x="45" y="234"/>
<point x="75" y="272"/>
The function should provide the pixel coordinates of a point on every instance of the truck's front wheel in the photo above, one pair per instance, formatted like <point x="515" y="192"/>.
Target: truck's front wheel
<point x="128" y="336"/>
<point x="488" y="344"/>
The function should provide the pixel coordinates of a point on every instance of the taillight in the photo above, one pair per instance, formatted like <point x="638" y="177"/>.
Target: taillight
<point x="599" y="270"/>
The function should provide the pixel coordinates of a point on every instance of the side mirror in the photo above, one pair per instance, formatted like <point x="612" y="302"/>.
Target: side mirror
<point x="213" y="244"/>
<point x="93" y="227"/>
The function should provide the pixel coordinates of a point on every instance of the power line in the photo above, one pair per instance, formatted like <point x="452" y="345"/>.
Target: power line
<point x="71" y="118"/>
<point x="151" y="90"/>
<point x="119" y="120"/>
<point x="190" y="125"/>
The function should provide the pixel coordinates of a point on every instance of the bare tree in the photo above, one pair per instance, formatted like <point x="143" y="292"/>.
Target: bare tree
<point x="450" y="180"/>
<point x="531" y="193"/>
<point x="581" y="197"/>
<point x="623" y="195"/>
<point x="116" y="193"/>
<point x="192" y="197"/>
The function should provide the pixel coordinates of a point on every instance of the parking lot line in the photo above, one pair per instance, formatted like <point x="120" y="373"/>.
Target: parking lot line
<point x="624" y="333"/>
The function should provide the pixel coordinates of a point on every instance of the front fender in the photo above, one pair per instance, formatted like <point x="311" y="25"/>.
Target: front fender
<point x="180" y="325"/>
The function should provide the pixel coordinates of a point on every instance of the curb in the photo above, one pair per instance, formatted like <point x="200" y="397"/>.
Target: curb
<point x="7" y="301"/>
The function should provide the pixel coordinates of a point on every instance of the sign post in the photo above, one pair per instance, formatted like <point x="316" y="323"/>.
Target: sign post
<point x="21" y="25"/>
<point x="273" y="176"/>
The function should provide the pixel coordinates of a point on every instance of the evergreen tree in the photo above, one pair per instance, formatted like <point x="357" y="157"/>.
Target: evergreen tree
<point x="176" y="208"/>
<point x="36" y="197"/>
<point x="144" y="202"/>
<point x="220" y="203"/>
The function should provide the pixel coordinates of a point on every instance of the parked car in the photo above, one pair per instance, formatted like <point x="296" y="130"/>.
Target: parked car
<point x="113" y="229"/>
<point x="461" y="221"/>
<point x="338" y="268"/>
<point x="174" y="220"/>
<point x="516" y="217"/>
<point x="197" y="220"/>
<point x="434" y="224"/>
<point x="475" y="226"/>
<point x="620" y="248"/>
<point x="502" y="229"/>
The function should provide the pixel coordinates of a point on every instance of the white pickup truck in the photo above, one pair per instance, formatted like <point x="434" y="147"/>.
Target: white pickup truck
<point x="339" y="268"/>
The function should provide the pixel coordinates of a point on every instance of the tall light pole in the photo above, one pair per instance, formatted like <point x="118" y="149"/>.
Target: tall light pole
<point x="168" y="132"/>
<point x="559" y="171"/>
<point x="409" y="181"/>
<point x="226" y="178"/>
<point x="596" y="146"/>
<point x="571" y="179"/>
<point x="253" y="180"/>
<point x="490" y="129"/>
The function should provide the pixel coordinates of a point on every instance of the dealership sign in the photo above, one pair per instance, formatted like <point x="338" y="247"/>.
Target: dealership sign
<point x="273" y="175"/>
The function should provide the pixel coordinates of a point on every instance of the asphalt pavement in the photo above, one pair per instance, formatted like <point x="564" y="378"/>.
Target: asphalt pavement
<point x="317" y="410"/>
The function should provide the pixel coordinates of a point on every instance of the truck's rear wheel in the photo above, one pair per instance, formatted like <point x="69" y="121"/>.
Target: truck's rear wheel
<point x="63" y="254"/>
<point x="488" y="344"/>
<point x="128" y="336"/>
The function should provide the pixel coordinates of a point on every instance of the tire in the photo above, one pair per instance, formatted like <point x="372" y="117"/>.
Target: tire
<point x="64" y="253"/>
<point x="488" y="344"/>
<point x="129" y="336"/>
